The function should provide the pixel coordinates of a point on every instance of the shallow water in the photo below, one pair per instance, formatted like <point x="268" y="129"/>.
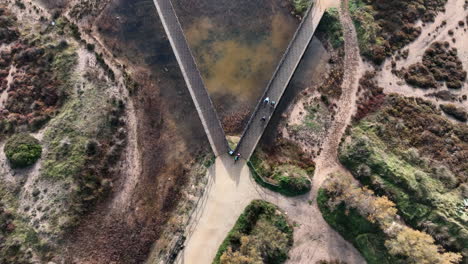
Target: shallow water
<point x="236" y="44"/>
<point x="237" y="47"/>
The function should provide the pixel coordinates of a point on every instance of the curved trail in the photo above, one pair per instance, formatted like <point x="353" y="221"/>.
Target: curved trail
<point x="231" y="189"/>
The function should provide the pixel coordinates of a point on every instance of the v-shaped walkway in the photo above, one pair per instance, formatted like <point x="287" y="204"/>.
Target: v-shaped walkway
<point x="275" y="89"/>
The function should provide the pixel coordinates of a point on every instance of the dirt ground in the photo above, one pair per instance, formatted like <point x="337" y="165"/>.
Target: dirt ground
<point x="165" y="138"/>
<point x="230" y="190"/>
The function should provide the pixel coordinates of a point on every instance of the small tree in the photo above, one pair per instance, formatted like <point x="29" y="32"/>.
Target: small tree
<point x="419" y="247"/>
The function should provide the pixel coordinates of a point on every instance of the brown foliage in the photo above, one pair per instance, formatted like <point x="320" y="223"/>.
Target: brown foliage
<point x="372" y="96"/>
<point x="440" y="63"/>
<point x="457" y="112"/>
<point x="419" y="248"/>
<point x="396" y="20"/>
<point x="418" y="123"/>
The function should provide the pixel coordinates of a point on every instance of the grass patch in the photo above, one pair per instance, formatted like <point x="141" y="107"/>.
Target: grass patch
<point x="262" y="234"/>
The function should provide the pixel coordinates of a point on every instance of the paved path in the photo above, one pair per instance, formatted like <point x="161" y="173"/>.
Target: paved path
<point x="193" y="79"/>
<point x="278" y="84"/>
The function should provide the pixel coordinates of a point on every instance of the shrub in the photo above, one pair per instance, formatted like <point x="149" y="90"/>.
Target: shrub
<point x="457" y="112"/>
<point x="331" y="27"/>
<point x="293" y="179"/>
<point x="364" y="235"/>
<point x="300" y="6"/>
<point x="262" y="234"/>
<point x="22" y="150"/>
<point x="90" y="47"/>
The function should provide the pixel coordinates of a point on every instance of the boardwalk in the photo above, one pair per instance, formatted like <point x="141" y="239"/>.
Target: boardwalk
<point x="193" y="79"/>
<point x="277" y="85"/>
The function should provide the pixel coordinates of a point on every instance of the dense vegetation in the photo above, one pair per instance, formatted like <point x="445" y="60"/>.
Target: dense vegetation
<point x="83" y="136"/>
<point x="367" y="237"/>
<point x="384" y="27"/>
<point x="409" y="152"/>
<point x="300" y="6"/>
<point x="331" y="27"/>
<point x="457" y="112"/>
<point x="371" y="223"/>
<point x="22" y="150"/>
<point x="262" y="234"/>
<point x="287" y="171"/>
<point x="440" y="63"/>
<point x="42" y="68"/>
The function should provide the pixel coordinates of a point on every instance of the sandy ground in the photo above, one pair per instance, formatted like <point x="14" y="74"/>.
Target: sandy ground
<point x="231" y="189"/>
<point x="455" y="12"/>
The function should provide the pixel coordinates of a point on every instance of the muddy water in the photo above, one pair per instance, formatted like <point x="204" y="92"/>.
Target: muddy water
<point x="237" y="46"/>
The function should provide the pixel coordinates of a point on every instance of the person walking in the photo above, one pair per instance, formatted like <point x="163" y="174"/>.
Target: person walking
<point x="237" y="157"/>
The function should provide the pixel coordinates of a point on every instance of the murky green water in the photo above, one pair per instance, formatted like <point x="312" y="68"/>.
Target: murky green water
<point x="237" y="45"/>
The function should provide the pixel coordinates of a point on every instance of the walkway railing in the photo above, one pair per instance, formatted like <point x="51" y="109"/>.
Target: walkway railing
<point x="280" y="80"/>
<point x="193" y="79"/>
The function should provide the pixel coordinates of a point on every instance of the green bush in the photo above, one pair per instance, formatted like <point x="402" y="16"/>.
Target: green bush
<point x="330" y="26"/>
<point x="300" y="6"/>
<point x="364" y="235"/>
<point x="395" y="153"/>
<point x="287" y="186"/>
<point x="293" y="179"/>
<point x="261" y="233"/>
<point x="22" y="150"/>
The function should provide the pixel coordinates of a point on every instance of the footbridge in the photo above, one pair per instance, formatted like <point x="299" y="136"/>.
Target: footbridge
<point x="193" y="79"/>
<point x="275" y="89"/>
<point x="280" y="80"/>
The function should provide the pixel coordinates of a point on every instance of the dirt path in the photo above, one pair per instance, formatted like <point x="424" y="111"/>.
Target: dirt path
<point x="231" y="189"/>
<point x="353" y="68"/>
<point x="308" y="239"/>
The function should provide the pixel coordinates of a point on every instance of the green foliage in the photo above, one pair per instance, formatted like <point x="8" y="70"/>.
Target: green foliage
<point x="330" y="26"/>
<point x="288" y="180"/>
<point x="22" y="150"/>
<point x="364" y="235"/>
<point x="292" y="179"/>
<point x="261" y="229"/>
<point x="282" y="167"/>
<point x="300" y="6"/>
<point x="397" y="154"/>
